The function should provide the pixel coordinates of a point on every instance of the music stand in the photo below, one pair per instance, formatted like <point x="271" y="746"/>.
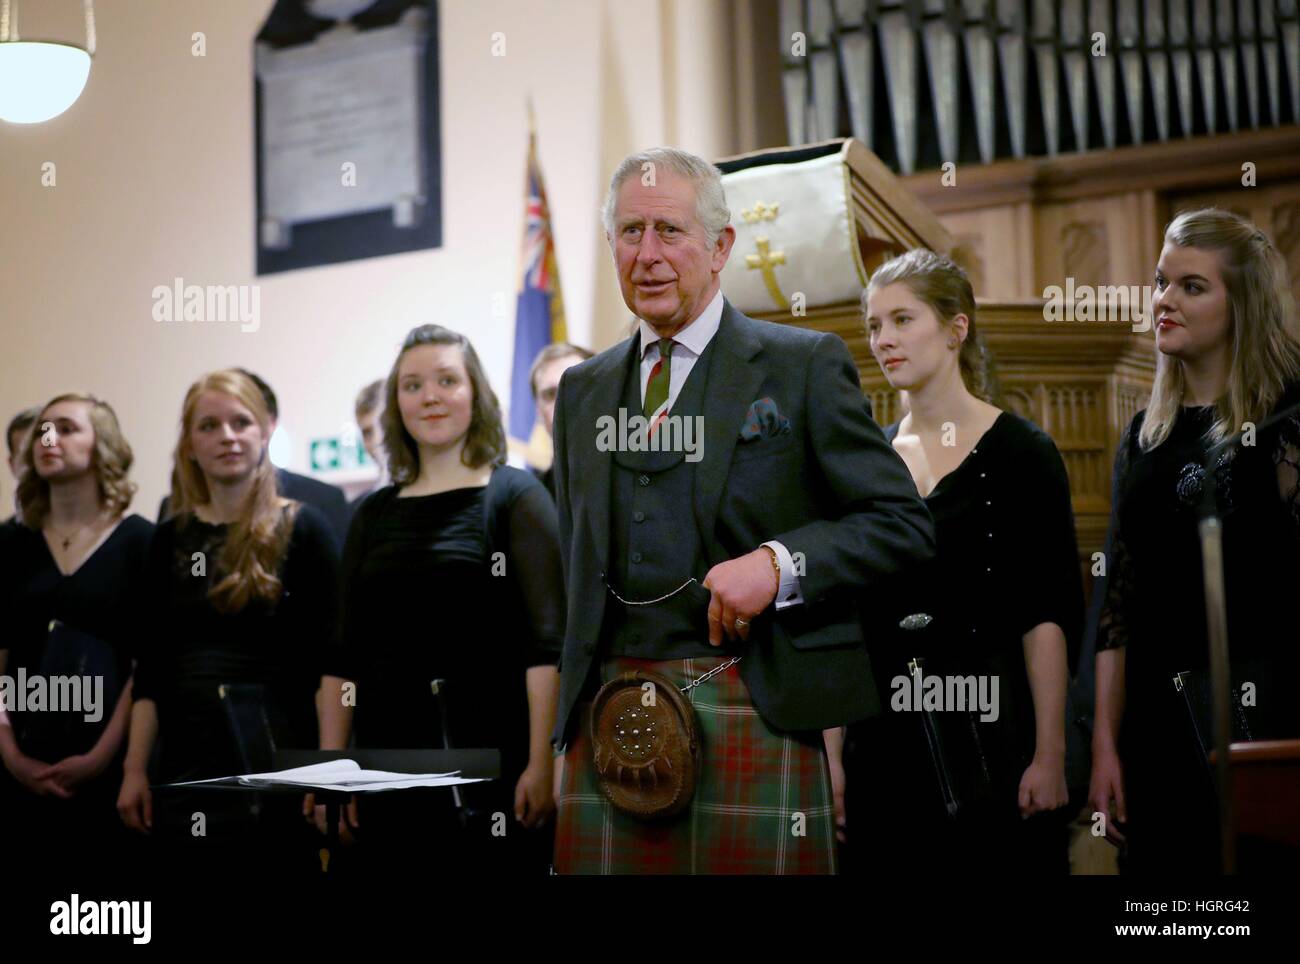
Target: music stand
<point x="481" y="764"/>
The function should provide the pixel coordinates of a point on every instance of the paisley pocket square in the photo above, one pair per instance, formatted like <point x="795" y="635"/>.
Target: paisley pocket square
<point x="763" y="420"/>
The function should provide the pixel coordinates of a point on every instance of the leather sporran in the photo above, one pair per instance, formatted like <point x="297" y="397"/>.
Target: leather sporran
<point x="647" y="749"/>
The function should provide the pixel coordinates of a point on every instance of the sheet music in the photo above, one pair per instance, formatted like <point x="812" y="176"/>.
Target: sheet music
<point x="345" y="776"/>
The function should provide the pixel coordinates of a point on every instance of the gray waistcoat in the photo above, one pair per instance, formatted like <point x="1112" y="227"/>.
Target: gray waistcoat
<point x="654" y="542"/>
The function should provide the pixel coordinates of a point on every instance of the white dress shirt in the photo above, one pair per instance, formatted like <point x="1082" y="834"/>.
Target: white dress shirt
<point x="689" y="345"/>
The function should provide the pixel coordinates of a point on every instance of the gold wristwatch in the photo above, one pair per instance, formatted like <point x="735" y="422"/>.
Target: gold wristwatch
<point x="776" y="567"/>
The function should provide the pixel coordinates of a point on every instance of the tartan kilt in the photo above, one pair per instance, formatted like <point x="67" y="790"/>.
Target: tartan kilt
<point x="740" y="820"/>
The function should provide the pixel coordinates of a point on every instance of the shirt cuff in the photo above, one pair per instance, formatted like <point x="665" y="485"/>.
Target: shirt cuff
<point x="787" y="593"/>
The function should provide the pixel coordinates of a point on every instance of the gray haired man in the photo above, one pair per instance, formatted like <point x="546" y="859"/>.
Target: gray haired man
<point x="748" y="559"/>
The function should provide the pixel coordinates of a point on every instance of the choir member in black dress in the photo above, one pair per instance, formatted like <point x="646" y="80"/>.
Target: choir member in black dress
<point x="1227" y="355"/>
<point x="241" y="586"/>
<point x="68" y="575"/>
<point x="1004" y="592"/>
<point x="450" y="573"/>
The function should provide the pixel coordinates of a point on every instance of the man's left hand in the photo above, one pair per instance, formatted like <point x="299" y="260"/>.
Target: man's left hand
<point x="742" y="588"/>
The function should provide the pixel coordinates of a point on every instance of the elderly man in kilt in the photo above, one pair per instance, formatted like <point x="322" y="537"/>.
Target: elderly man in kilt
<point x="732" y="569"/>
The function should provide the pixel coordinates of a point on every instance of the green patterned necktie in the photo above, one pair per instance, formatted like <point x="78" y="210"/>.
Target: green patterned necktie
<point x="656" y="387"/>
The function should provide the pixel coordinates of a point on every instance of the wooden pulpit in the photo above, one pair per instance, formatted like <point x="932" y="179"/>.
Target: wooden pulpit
<point x="1266" y="790"/>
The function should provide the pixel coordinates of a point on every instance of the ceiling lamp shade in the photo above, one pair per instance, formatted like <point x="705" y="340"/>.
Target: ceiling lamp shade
<point x="40" y="79"/>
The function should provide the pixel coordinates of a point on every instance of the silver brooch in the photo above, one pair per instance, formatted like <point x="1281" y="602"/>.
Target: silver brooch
<point x="1191" y="482"/>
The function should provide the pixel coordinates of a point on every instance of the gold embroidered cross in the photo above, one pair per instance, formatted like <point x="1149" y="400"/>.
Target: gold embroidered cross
<point x="761" y="212"/>
<point x="764" y="261"/>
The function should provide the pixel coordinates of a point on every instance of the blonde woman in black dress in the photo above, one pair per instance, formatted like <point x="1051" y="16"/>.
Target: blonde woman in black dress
<point x="241" y="585"/>
<point x="1004" y="591"/>
<point x="71" y="569"/>
<point x="1227" y="356"/>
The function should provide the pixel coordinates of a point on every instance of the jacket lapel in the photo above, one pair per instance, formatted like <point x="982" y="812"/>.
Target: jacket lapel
<point x="734" y="378"/>
<point x="606" y="393"/>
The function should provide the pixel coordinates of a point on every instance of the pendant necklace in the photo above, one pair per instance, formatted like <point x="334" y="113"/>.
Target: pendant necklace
<point x="66" y="541"/>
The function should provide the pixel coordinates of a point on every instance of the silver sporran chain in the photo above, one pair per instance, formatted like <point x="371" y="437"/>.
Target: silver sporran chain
<point x="629" y="602"/>
<point x="648" y="602"/>
<point x="712" y="673"/>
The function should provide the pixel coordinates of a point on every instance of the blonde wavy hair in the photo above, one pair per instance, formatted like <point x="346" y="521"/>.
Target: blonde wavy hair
<point x="1261" y="321"/>
<point x="942" y="285"/>
<point x="111" y="461"/>
<point x="258" y="539"/>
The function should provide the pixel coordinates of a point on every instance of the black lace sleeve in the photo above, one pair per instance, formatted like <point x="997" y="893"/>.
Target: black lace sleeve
<point x="1112" y="627"/>
<point x="534" y="565"/>
<point x="1286" y="456"/>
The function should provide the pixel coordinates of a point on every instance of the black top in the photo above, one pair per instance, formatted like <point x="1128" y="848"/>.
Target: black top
<point x="1007" y="561"/>
<point x="547" y="478"/>
<point x="7" y="529"/>
<point x="463" y="586"/>
<point x="190" y="648"/>
<point x="327" y="499"/>
<point x="1155" y="601"/>
<point x="98" y="599"/>
<point x="1005" y="531"/>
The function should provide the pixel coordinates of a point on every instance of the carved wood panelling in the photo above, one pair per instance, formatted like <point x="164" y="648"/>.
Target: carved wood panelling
<point x="1286" y="235"/>
<point x="968" y="252"/>
<point x="1083" y="252"/>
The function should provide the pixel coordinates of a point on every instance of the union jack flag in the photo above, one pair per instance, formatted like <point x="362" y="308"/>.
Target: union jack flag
<point x="539" y="311"/>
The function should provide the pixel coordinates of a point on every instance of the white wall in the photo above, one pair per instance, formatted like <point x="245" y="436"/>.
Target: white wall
<point x="155" y="180"/>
